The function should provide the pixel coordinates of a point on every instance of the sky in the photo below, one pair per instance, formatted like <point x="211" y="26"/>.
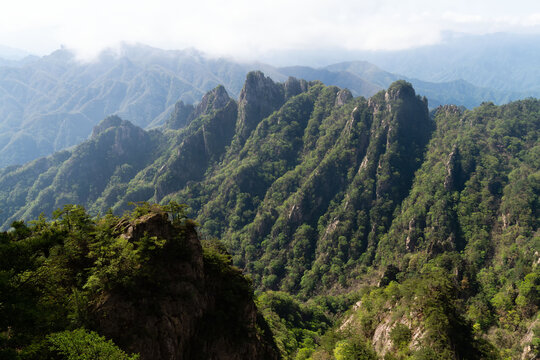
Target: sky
<point x="248" y="29"/>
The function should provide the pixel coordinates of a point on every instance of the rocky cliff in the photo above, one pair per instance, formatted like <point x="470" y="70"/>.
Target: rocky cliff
<point x="191" y="304"/>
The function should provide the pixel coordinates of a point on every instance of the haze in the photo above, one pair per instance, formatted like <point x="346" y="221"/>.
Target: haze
<point x="250" y="29"/>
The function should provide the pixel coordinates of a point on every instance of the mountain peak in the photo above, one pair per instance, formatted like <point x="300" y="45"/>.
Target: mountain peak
<point x="108" y="122"/>
<point x="343" y="96"/>
<point x="218" y="97"/>
<point x="293" y="87"/>
<point x="213" y="100"/>
<point x="257" y="84"/>
<point x="259" y="97"/>
<point x="400" y="89"/>
<point x="180" y="116"/>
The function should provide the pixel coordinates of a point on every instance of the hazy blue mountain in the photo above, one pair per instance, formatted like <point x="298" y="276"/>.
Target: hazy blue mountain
<point x="505" y="62"/>
<point x="501" y="61"/>
<point x="359" y="86"/>
<point x="365" y="79"/>
<point x="53" y="103"/>
<point x="9" y="53"/>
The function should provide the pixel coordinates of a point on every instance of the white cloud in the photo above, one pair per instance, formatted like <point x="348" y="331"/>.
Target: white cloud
<point x="247" y="28"/>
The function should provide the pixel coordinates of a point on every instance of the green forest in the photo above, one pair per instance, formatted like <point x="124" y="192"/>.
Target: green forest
<point x="352" y="228"/>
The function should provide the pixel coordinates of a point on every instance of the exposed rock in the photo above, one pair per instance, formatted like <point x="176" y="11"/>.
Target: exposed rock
<point x="527" y="342"/>
<point x="453" y="169"/>
<point x="259" y="97"/>
<point x="350" y="320"/>
<point x="294" y="87"/>
<point x="380" y="337"/>
<point x="202" y="146"/>
<point x="180" y="115"/>
<point x="414" y="233"/>
<point x="192" y="309"/>
<point x="343" y="96"/>
<point x="213" y="100"/>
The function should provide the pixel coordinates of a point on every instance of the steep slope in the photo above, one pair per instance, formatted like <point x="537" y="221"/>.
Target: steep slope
<point x="286" y="184"/>
<point x="116" y="151"/>
<point x="142" y="280"/>
<point x="478" y="194"/>
<point x="210" y="137"/>
<point x="459" y="263"/>
<point x="427" y="221"/>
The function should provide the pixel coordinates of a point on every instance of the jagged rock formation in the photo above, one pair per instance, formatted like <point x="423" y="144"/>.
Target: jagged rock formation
<point x="203" y="142"/>
<point x="259" y="97"/>
<point x="179" y="116"/>
<point x="191" y="307"/>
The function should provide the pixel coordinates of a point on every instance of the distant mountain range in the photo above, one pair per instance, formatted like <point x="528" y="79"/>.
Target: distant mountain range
<point x="51" y="103"/>
<point x="500" y="61"/>
<point x="9" y="53"/>
<point x="364" y="78"/>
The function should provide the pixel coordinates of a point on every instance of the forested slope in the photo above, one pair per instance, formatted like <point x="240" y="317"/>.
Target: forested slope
<point x="427" y="223"/>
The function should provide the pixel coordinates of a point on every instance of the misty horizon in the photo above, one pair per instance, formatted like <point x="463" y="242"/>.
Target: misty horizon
<point x="252" y="31"/>
<point x="317" y="57"/>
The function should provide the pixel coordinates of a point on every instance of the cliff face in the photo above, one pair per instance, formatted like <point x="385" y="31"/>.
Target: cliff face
<point x="195" y="307"/>
<point x="204" y="141"/>
<point x="259" y="97"/>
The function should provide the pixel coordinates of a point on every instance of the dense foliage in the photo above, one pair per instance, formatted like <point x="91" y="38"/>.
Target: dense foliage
<point x="427" y="223"/>
<point x="57" y="277"/>
<point x="52" y="272"/>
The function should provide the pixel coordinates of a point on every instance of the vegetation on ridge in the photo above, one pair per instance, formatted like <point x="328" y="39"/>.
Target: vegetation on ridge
<point x="369" y="227"/>
<point x="63" y="281"/>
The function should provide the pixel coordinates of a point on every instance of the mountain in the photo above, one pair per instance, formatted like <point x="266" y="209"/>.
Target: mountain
<point x="359" y="85"/>
<point x="424" y="226"/>
<point x="365" y="79"/>
<point x="505" y="62"/>
<point x="12" y="54"/>
<point x="144" y="281"/>
<point x="52" y="103"/>
<point x="501" y="61"/>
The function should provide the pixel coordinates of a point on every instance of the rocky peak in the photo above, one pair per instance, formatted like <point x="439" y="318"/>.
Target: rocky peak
<point x="343" y="96"/>
<point x="452" y="181"/>
<point x="108" y="122"/>
<point x="293" y="87"/>
<point x="259" y="97"/>
<point x="121" y="136"/>
<point x="197" y="307"/>
<point x="180" y="116"/>
<point x="400" y="89"/>
<point x="213" y="100"/>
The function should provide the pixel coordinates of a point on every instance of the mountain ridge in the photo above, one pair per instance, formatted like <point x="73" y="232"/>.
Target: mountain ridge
<point x="52" y="103"/>
<point x="321" y="195"/>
